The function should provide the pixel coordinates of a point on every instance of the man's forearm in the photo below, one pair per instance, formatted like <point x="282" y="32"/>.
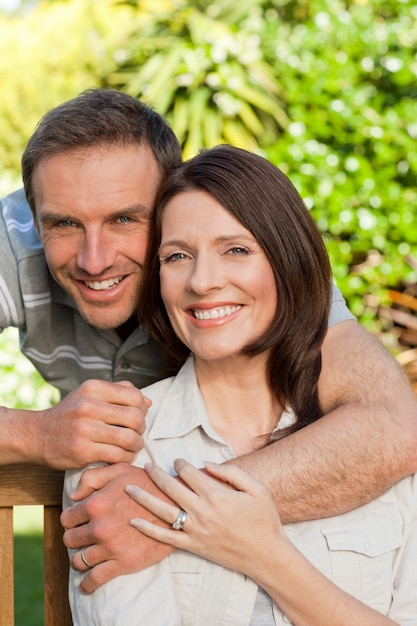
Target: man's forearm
<point x="365" y="443"/>
<point x="17" y="436"/>
<point x="334" y="465"/>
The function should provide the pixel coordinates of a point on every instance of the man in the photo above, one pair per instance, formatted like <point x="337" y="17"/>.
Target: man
<point x="78" y="326"/>
<point x="70" y="281"/>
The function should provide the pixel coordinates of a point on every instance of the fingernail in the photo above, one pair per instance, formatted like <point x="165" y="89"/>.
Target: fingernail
<point x="210" y="464"/>
<point x="148" y="467"/>
<point x="136" y="522"/>
<point x="132" y="490"/>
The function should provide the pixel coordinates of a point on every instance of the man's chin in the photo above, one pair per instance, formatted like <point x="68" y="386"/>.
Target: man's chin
<point x="103" y="320"/>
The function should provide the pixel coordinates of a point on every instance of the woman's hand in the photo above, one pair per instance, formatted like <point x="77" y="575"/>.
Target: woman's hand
<point x="235" y="528"/>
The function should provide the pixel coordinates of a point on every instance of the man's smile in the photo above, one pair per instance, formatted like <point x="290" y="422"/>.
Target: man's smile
<point x="102" y="285"/>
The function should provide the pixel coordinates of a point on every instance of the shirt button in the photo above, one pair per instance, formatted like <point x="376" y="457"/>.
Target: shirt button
<point x="124" y="366"/>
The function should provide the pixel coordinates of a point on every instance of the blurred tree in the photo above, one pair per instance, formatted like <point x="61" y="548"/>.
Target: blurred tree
<point x="47" y="56"/>
<point x="349" y="73"/>
<point x="202" y="65"/>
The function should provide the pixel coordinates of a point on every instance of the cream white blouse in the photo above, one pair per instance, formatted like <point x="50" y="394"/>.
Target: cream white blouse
<point x="370" y="552"/>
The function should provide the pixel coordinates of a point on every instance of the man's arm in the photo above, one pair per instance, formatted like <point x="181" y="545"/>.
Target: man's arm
<point x="99" y="421"/>
<point x="365" y="443"/>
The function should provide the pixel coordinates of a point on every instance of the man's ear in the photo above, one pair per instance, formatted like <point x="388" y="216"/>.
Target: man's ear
<point x="35" y="218"/>
<point x="36" y="223"/>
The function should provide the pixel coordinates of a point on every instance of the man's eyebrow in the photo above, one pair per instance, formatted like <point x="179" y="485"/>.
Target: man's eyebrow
<point x="138" y="210"/>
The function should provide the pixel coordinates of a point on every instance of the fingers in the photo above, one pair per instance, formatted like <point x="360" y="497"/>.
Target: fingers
<point x="165" y="511"/>
<point x="87" y="558"/>
<point x="146" y="402"/>
<point x="96" y="478"/>
<point x="225" y="475"/>
<point x="98" y="575"/>
<point x="172" y="487"/>
<point x="193" y="483"/>
<point x="231" y="474"/>
<point x="81" y="561"/>
<point x="129" y="552"/>
<point x="76" y="538"/>
<point x="120" y="404"/>
<point x="125" y="438"/>
<point x="74" y="517"/>
<point x="175" y="538"/>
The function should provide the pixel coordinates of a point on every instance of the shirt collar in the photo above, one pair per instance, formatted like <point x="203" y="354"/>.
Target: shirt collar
<point x="182" y="408"/>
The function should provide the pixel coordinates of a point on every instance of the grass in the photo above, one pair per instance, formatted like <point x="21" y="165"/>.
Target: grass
<point x="28" y="554"/>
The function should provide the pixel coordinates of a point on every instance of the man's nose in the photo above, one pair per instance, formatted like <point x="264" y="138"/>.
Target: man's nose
<point x="95" y="254"/>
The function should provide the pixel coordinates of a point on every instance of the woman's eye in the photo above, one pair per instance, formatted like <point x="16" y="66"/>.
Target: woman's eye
<point x="175" y="256"/>
<point x="238" y="250"/>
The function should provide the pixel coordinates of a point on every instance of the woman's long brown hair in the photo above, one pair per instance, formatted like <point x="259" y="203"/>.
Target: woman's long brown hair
<point x="267" y="204"/>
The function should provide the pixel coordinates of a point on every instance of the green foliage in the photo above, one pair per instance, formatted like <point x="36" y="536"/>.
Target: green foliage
<point x="21" y="386"/>
<point x="49" y="55"/>
<point x="202" y="65"/>
<point x="349" y="74"/>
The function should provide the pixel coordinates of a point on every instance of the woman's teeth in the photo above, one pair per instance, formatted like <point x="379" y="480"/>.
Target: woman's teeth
<point x="212" y="314"/>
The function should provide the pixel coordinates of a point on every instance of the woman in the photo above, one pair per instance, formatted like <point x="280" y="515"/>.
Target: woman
<point x="245" y="288"/>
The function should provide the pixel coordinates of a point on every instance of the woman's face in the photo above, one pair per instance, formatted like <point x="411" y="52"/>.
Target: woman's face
<point x="216" y="282"/>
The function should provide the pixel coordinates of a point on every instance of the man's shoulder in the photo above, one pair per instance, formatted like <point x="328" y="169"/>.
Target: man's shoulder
<point x="18" y="224"/>
<point x="16" y="202"/>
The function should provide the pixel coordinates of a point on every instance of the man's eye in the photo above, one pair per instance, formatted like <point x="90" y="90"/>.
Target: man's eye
<point x="66" y="223"/>
<point x="124" y="219"/>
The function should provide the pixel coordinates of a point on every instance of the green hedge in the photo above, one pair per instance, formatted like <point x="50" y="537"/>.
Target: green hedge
<point x="349" y="72"/>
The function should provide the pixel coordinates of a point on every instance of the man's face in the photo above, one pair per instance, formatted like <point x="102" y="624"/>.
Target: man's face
<point x="92" y="211"/>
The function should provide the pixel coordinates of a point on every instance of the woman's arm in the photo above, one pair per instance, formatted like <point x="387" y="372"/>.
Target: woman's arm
<point x="370" y="414"/>
<point x="240" y="529"/>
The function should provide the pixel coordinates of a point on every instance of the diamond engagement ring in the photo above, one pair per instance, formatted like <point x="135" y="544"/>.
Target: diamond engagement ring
<point x="180" y="521"/>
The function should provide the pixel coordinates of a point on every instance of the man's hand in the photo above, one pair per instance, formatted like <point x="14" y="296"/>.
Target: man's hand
<point x="102" y="522"/>
<point x="98" y="422"/>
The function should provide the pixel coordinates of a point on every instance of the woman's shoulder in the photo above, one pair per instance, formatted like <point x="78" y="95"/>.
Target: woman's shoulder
<point x="157" y="390"/>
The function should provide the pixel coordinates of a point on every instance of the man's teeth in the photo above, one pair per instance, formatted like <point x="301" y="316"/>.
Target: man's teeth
<point x="100" y="285"/>
<point x="213" y="314"/>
